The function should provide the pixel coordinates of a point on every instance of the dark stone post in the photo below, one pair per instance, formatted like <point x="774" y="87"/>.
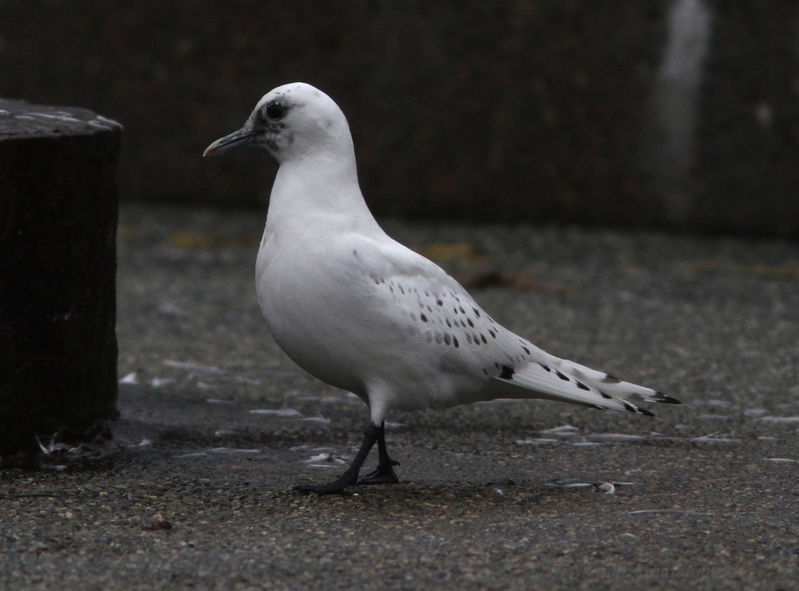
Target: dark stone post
<point x="58" y="214"/>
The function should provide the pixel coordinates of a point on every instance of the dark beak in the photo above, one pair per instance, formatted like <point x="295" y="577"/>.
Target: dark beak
<point x="238" y="139"/>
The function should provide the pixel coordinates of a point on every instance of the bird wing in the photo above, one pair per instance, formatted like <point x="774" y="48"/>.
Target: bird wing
<point x="447" y="323"/>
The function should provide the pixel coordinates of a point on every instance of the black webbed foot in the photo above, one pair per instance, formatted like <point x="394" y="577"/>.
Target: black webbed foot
<point x="383" y="474"/>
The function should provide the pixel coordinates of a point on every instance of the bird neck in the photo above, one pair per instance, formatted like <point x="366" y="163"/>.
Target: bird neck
<point x="321" y="187"/>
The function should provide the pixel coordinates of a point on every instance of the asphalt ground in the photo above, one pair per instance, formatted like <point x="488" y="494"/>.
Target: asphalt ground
<point x="194" y="491"/>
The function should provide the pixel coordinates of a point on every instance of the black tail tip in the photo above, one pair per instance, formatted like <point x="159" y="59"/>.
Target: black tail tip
<point x="665" y="399"/>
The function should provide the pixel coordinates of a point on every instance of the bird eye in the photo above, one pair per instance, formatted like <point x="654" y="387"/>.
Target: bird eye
<point x="275" y="110"/>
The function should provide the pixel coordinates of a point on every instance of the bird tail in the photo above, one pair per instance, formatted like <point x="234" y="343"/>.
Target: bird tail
<point x="560" y="379"/>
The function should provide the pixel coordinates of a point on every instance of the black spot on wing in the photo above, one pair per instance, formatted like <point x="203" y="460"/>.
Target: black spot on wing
<point x="506" y="372"/>
<point x="636" y="409"/>
<point x="629" y="406"/>
<point x="562" y="376"/>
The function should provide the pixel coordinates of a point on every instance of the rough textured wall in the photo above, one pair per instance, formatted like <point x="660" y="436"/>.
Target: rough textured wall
<point x="681" y="113"/>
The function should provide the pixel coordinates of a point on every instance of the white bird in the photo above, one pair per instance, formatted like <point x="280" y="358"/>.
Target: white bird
<point x="362" y="312"/>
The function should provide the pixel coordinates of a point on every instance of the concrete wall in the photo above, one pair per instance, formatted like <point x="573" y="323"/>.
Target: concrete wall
<point x="676" y="113"/>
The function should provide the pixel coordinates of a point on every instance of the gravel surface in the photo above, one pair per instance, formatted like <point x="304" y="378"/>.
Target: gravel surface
<point x="217" y="425"/>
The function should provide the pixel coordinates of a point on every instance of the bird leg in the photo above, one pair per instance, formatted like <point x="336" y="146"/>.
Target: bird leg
<point x="384" y="473"/>
<point x="372" y="434"/>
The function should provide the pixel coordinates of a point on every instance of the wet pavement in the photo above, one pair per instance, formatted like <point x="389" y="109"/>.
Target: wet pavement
<point x="217" y="425"/>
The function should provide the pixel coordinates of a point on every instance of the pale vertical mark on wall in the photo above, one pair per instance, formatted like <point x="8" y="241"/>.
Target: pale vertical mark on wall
<point x="675" y="103"/>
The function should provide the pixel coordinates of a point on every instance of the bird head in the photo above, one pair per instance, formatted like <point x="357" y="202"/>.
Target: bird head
<point x="290" y="121"/>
